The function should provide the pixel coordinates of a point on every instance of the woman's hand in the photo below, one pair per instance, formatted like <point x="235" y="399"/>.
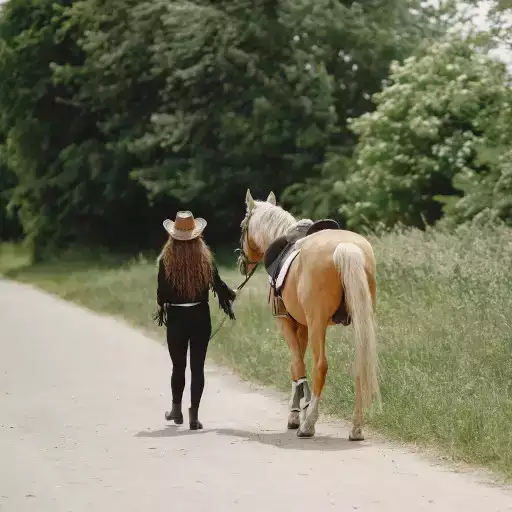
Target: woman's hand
<point x="159" y="316"/>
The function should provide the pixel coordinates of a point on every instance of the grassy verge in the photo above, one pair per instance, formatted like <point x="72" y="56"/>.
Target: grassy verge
<point x="444" y="335"/>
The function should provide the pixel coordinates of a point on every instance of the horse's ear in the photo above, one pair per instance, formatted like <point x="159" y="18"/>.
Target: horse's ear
<point x="249" y="201"/>
<point x="272" y="198"/>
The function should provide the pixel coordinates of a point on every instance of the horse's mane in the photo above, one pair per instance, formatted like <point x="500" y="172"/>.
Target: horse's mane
<point x="269" y="222"/>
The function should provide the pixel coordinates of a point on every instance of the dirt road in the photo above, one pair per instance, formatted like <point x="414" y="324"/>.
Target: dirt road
<point x="82" y="399"/>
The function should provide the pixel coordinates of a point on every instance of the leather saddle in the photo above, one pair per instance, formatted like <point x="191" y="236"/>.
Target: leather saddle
<point x="279" y="250"/>
<point x="282" y="246"/>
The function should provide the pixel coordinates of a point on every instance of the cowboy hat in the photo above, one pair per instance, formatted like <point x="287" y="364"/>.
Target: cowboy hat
<point x="185" y="227"/>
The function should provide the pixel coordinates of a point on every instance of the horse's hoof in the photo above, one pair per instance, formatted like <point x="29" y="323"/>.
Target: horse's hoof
<point x="306" y="431"/>
<point x="293" y="421"/>
<point x="305" y="435"/>
<point x="356" y="435"/>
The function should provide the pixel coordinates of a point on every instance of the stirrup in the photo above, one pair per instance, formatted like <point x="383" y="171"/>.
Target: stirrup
<point x="278" y="307"/>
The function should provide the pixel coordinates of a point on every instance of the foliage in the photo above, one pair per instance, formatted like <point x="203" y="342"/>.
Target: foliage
<point x="71" y="188"/>
<point x="358" y="42"/>
<point x="500" y="16"/>
<point x="10" y="228"/>
<point x="139" y="108"/>
<point x="116" y="114"/>
<point x="487" y="196"/>
<point x="423" y="142"/>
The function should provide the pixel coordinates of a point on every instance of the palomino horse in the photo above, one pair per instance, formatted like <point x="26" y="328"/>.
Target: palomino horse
<point x="334" y="267"/>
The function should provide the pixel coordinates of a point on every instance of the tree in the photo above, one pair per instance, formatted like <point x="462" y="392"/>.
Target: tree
<point x="241" y="107"/>
<point x="358" y="42"/>
<point x="119" y="113"/>
<point x="424" y="134"/>
<point x="71" y="188"/>
<point x="214" y="98"/>
<point x="10" y="228"/>
<point x="486" y="196"/>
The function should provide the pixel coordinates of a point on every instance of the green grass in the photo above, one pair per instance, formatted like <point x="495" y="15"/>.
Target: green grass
<point x="12" y="257"/>
<point x="444" y="335"/>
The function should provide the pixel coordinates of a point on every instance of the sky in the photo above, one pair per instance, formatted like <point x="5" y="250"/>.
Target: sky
<point x="480" y="20"/>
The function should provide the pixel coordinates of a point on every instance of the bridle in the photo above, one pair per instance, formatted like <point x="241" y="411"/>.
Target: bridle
<point x="244" y="261"/>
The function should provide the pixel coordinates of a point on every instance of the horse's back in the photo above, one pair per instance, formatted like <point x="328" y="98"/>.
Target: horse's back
<point x="323" y="243"/>
<point x="313" y="278"/>
<point x="317" y="265"/>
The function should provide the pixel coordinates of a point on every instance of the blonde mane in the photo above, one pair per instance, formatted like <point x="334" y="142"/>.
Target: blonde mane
<point x="267" y="222"/>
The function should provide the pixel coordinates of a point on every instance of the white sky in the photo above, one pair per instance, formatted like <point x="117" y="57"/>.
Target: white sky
<point x="480" y="21"/>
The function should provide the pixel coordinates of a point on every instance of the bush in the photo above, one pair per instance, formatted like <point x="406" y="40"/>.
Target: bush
<point x="425" y="140"/>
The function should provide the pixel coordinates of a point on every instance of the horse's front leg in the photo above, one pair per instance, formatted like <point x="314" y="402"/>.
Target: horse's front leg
<point x="317" y="340"/>
<point x="302" y="383"/>
<point x="291" y="332"/>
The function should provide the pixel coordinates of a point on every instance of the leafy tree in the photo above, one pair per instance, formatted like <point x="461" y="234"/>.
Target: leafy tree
<point x="241" y="106"/>
<point x="118" y="113"/>
<point x="9" y="226"/>
<point x="499" y="17"/>
<point x="32" y="118"/>
<point x="423" y="137"/>
<point x="214" y="98"/>
<point x="358" y="42"/>
<point x="487" y="196"/>
<point x="71" y="188"/>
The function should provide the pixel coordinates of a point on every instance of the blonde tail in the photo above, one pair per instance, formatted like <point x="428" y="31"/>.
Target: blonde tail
<point x="349" y="261"/>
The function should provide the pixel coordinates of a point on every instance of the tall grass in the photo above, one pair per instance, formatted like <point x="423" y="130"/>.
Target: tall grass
<point x="444" y="335"/>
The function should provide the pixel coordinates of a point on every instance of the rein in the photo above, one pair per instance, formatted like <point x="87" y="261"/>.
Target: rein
<point x="243" y="262"/>
<point x="238" y="288"/>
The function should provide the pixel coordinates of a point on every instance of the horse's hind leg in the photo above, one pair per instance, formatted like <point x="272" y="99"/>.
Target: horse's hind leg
<point x="356" y="434"/>
<point x="293" y="335"/>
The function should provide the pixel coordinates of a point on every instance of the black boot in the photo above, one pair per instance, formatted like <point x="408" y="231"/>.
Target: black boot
<point x="195" y="424"/>
<point x="175" y="414"/>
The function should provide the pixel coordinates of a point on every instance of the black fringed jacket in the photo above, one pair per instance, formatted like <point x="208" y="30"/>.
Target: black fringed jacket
<point x="167" y="295"/>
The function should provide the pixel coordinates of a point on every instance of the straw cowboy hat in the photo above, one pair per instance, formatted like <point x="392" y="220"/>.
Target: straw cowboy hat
<point x="185" y="227"/>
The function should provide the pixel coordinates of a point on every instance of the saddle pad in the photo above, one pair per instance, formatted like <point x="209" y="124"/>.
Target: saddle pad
<point x="284" y="270"/>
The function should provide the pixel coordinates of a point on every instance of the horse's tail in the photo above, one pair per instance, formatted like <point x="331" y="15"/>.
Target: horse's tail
<point x="349" y="261"/>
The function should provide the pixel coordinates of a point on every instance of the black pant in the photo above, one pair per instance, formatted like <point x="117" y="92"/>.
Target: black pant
<point x="188" y="324"/>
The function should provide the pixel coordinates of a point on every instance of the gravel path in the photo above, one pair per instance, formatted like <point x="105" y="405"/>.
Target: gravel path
<point x="82" y="428"/>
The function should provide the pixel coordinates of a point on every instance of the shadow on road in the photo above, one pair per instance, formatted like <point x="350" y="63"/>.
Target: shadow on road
<point x="285" y="440"/>
<point x="289" y="441"/>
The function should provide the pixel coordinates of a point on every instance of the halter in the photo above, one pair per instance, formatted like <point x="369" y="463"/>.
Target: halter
<point x="244" y="261"/>
<point x="238" y="288"/>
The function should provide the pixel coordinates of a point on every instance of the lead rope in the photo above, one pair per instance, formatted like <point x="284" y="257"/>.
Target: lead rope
<point x="239" y="287"/>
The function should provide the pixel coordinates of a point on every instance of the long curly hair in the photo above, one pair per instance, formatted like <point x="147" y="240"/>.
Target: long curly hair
<point x="188" y="266"/>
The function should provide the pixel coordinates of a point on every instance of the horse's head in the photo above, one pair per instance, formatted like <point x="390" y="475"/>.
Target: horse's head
<point x="251" y="251"/>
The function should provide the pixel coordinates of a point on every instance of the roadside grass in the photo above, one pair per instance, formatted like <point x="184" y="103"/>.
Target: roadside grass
<point x="444" y="334"/>
<point x="12" y="257"/>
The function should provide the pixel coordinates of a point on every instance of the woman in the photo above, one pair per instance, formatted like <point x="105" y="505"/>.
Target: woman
<point x="186" y="273"/>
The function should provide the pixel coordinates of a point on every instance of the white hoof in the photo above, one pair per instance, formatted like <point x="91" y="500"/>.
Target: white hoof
<point x="310" y="417"/>
<point x="356" y="434"/>
<point x="303" y="414"/>
<point x="306" y="431"/>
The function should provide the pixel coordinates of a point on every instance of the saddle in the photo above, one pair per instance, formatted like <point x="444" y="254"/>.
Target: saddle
<point x="279" y="253"/>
